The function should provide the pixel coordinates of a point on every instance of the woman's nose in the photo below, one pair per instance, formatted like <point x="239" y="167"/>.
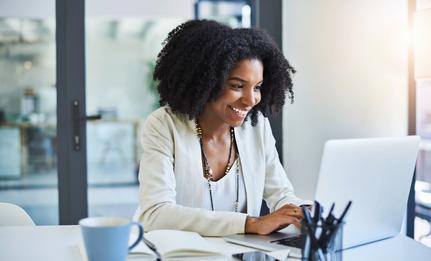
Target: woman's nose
<point x="249" y="97"/>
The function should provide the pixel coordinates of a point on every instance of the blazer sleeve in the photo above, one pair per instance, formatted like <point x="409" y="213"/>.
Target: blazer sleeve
<point x="157" y="195"/>
<point x="278" y="190"/>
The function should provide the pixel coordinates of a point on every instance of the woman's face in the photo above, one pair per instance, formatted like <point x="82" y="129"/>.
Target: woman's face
<point x="240" y="94"/>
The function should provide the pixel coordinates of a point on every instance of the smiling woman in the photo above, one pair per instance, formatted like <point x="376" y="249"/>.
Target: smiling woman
<point x="240" y="94"/>
<point x="203" y="163"/>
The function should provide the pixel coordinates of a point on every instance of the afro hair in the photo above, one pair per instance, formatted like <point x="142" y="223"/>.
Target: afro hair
<point x="197" y="57"/>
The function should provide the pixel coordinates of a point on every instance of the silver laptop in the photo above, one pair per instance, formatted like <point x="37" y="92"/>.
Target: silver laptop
<point x="375" y="174"/>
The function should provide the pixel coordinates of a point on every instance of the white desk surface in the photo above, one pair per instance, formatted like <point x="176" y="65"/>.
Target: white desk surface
<point x="61" y="243"/>
<point x="398" y="248"/>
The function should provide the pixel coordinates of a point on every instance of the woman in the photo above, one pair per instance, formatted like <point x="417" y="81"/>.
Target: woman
<point x="209" y="157"/>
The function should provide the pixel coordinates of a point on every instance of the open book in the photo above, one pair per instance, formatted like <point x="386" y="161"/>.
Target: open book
<point x="175" y="244"/>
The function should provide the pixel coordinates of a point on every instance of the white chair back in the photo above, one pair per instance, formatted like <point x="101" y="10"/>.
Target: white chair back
<point x="13" y="215"/>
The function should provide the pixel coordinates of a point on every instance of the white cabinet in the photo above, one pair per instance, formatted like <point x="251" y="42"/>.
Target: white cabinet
<point x="10" y="152"/>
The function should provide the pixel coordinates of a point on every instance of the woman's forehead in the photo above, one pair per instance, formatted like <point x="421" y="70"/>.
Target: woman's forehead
<point x="247" y="69"/>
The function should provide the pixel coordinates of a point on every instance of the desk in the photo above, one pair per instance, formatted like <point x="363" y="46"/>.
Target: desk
<point x="60" y="243"/>
<point x="400" y="248"/>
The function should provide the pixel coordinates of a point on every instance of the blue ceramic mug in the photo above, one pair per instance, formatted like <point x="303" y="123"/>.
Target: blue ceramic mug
<point x="107" y="238"/>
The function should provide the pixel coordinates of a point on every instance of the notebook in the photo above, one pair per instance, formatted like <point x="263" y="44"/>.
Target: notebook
<point x="173" y="244"/>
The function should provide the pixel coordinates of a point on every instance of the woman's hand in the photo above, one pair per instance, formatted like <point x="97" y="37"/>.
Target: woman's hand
<point x="281" y="218"/>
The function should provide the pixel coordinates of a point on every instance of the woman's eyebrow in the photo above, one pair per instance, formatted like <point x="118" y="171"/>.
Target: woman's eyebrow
<point x="241" y="80"/>
<point x="237" y="79"/>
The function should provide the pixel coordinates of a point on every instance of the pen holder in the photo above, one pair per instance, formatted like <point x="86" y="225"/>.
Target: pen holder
<point x="321" y="248"/>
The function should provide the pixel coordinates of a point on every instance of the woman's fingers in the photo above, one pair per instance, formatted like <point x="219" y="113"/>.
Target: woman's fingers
<point x="284" y="220"/>
<point x="296" y="222"/>
<point x="292" y="210"/>
<point x="286" y="215"/>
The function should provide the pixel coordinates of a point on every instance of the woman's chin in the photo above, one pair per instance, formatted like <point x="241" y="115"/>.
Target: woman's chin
<point x="236" y="123"/>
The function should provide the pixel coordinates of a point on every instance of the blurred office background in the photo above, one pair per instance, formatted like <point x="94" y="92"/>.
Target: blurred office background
<point x="353" y="80"/>
<point x="122" y="40"/>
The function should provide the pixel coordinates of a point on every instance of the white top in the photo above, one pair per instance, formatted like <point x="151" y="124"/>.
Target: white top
<point x="224" y="191"/>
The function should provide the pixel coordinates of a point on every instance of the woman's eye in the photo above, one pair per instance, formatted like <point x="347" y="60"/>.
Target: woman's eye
<point x="257" y="87"/>
<point x="235" y="86"/>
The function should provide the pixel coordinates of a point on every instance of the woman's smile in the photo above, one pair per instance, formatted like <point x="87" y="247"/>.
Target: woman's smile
<point x="239" y="112"/>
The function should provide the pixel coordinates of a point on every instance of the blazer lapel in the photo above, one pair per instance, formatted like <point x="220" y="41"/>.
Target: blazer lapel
<point x="191" y="164"/>
<point x="244" y="155"/>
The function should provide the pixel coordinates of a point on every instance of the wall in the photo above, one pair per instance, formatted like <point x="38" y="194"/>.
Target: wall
<point x="351" y="58"/>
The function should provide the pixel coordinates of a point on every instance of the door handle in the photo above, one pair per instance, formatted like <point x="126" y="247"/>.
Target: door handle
<point x="77" y="119"/>
<point x="91" y="117"/>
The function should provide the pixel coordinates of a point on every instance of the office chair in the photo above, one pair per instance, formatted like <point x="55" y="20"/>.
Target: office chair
<point x="13" y="215"/>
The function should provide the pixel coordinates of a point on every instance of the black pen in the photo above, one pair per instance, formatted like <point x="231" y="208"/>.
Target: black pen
<point x="344" y="212"/>
<point x="316" y="215"/>
<point x="331" y="209"/>
<point x="311" y="232"/>
<point x="153" y="248"/>
<point x="337" y="225"/>
<point x="327" y="225"/>
<point x="330" y="218"/>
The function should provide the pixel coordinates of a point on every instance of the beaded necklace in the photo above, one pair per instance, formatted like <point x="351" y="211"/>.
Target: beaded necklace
<point x="208" y="172"/>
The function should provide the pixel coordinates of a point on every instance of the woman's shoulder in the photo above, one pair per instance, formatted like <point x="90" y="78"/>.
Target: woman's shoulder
<point x="166" y="117"/>
<point x="160" y="113"/>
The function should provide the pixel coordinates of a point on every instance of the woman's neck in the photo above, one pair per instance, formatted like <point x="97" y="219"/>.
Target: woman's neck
<point x="213" y="129"/>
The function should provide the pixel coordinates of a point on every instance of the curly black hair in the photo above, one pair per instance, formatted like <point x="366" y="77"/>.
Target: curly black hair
<point x="198" y="56"/>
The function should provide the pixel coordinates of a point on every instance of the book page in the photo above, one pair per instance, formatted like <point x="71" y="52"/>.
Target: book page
<point x="141" y="250"/>
<point x="175" y="243"/>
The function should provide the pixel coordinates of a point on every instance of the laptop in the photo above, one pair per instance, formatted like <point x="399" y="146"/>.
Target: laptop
<point x="374" y="173"/>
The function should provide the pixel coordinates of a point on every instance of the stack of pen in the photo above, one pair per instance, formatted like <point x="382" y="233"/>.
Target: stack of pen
<point x="323" y="234"/>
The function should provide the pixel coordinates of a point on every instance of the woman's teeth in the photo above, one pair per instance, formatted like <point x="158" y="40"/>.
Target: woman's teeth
<point x="239" y="112"/>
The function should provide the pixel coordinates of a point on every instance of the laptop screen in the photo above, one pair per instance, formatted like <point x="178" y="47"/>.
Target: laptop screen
<point x="376" y="175"/>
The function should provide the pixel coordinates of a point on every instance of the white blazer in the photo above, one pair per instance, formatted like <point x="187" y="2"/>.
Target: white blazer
<point x="171" y="171"/>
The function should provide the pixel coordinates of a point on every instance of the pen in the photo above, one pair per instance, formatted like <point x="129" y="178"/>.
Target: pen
<point x="307" y="216"/>
<point x="316" y="215"/>
<point x="329" y="218"/>
<point x="331" y="209"/>
<point x="336" y="226"/>
<point x="308" y="223"/>
<point x="320" y="254"/>
<point x="344" y="212"/>
<point x="153" y="248"/>
<point x="327" y="224"/>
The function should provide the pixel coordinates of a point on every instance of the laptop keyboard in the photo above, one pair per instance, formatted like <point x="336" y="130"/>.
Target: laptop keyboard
<point x="297" y="242"/>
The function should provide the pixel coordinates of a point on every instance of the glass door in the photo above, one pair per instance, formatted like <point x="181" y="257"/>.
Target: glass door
<point x="122" y="42"/>
<point x="28" y="128"/>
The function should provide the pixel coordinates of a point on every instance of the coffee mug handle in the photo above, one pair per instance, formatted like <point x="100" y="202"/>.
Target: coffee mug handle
<point x="140" y="236"/>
